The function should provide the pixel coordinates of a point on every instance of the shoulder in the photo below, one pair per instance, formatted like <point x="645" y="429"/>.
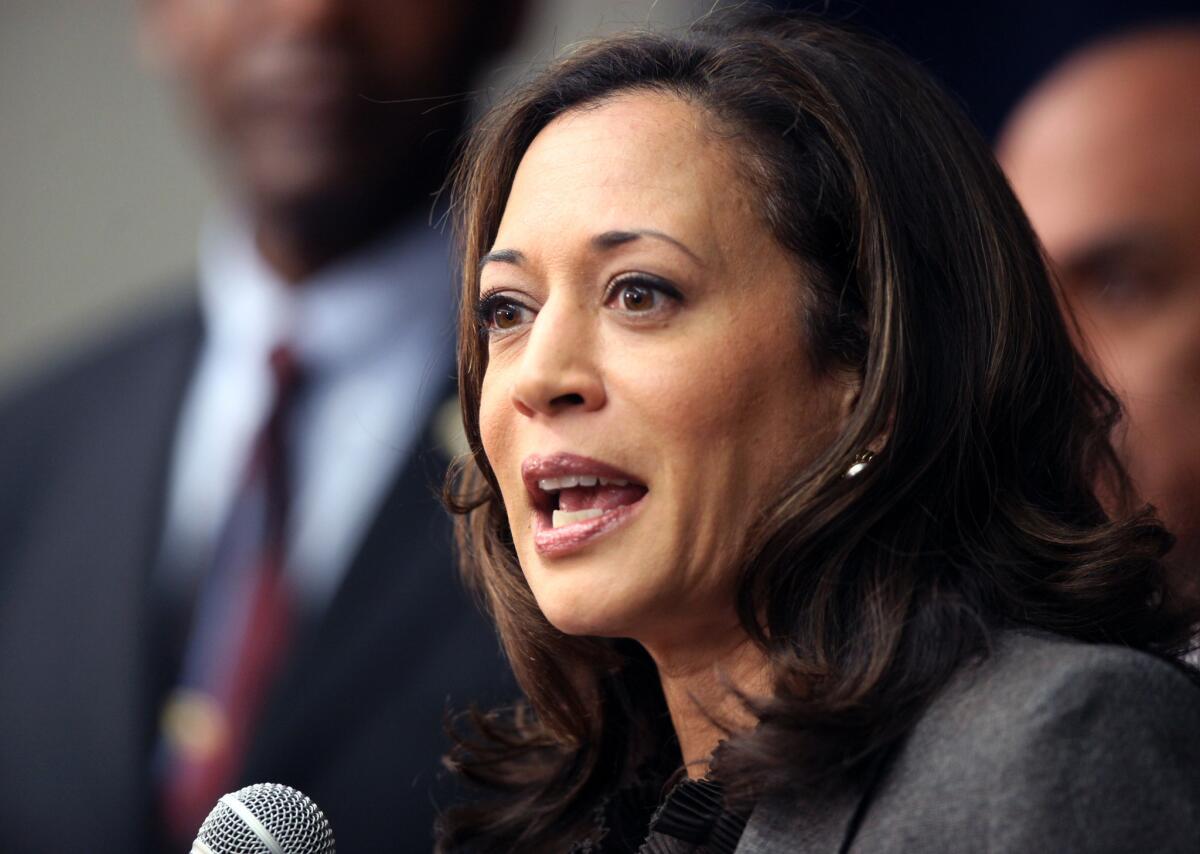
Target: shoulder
<point x="1053" y="744"/>
<point x="102" y="395"/>
<point x="163" y="329"/>
<point x="1030" y="680"/>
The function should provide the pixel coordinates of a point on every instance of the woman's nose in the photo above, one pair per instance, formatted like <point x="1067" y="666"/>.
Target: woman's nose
<point x="558" y="370"/>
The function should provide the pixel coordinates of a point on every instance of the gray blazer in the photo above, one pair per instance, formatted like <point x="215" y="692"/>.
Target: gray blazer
<point x="1048" y="745"/>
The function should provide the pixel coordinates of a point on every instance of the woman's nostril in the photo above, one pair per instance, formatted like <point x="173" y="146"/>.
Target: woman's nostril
<point x="563" y="400"/>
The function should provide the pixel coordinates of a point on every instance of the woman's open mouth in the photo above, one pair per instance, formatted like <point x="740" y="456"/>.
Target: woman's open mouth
<point x="576" y="499"/>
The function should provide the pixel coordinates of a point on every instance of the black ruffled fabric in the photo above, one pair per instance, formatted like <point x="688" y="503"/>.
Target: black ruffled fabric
<point x="691" y="819"/>
<point x="694" y="814"/>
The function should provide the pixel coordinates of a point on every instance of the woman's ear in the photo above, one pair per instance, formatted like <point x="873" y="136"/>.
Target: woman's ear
<point x="849" y="402"/>
<point x="851" y="388"/>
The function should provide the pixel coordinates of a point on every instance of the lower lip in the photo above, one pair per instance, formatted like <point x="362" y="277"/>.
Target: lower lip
<point x="556" y="542"/>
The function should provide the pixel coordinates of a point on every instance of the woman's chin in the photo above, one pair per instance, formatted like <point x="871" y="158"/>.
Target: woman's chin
<point x="581" y="621"/>
<point x="586" y="611"/>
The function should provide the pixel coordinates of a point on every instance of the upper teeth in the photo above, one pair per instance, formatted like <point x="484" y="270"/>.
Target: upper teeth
<point x="554" y="484"/>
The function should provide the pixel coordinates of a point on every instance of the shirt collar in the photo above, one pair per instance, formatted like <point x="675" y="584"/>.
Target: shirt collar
<point x="350" y="311"/>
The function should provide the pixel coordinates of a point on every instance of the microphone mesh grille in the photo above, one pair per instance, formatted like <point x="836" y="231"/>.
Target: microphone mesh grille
<point x="292" y="819"/>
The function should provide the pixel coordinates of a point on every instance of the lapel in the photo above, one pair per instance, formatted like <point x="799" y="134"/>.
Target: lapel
<point x="73" y="619"/>
<point x="382" y="618"/>
<point x="803" y="823"/>
<point x="357" y="718"/>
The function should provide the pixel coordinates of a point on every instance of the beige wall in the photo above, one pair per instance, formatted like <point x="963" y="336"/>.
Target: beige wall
<point x="101" y="190"/>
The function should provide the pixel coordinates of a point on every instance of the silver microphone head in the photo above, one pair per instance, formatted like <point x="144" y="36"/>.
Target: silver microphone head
<point x="265" y="818"/>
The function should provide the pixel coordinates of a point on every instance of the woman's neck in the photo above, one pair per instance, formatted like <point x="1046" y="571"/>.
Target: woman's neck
<point x="699" y="682"/>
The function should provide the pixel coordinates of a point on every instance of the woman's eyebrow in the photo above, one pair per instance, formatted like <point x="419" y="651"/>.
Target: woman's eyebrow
<point x="502" y="256"/>
<point x="610" y="239"/>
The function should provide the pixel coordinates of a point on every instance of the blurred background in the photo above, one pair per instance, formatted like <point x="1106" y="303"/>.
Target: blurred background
<point x="102" y="188"/>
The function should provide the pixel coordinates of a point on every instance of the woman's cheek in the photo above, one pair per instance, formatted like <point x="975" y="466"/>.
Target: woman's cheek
<point x="496" y="433"/>
<point x="491" y="416"/>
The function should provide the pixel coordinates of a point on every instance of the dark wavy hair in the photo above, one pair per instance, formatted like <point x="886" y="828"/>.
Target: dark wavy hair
<point x="924" y="279"/>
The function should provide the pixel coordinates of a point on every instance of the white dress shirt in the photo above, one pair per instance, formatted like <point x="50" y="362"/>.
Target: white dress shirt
<point x="374" y="335"/>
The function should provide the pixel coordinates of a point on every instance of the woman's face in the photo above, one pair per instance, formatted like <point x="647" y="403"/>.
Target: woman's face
<point x="648" y="389"/>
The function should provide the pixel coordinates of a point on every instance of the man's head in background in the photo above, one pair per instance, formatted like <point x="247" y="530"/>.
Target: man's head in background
<point x="1105" y="156"/>
<point x="330" y="118"/>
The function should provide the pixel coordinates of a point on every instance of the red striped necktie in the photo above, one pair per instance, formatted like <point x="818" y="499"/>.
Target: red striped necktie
<point x="240" y="630"/>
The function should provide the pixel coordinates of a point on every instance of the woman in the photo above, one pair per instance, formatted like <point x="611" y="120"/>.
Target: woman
<point x="784" y="478"/>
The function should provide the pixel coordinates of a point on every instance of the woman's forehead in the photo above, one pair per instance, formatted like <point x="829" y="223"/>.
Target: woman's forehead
<point x="642" y="159"/>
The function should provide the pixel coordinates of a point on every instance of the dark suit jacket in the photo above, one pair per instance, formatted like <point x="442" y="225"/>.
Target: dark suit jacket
<point x="1048" y="745"/>
<point x="355" y="721"/>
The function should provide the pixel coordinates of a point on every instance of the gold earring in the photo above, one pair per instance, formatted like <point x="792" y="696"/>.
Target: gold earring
<point x="860" y="462"/>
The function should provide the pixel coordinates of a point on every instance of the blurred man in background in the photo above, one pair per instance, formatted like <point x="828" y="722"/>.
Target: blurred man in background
<point x="1105" y="157"/>
<point x="221" y="559"/>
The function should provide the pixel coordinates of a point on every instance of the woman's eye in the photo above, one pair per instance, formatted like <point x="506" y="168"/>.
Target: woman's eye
<point x="636" y="298"/>
<point x="498" y="313"/>
<point x="506" y="316"/>
<point x="641" y="295"/>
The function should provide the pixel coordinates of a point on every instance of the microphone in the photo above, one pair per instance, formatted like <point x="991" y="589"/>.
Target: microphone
<point x="265" y="817"/>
